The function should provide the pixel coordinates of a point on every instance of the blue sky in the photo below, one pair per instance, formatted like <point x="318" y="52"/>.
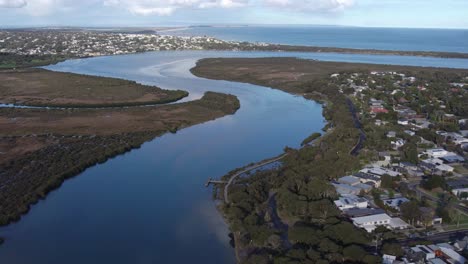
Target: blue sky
<point x="372" y="13"/>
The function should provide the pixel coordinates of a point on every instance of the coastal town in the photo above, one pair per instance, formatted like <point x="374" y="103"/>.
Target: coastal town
<point x="415" y="183"/>
<point x="85" y="43"/>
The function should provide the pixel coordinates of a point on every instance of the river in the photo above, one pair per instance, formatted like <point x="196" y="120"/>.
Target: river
<point x="150" y="205"/>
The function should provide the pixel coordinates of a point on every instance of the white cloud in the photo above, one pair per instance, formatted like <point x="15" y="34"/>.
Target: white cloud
<point x="12" y="3"/>
<point x="167" y="7"/>
<point x="311" y="5"/>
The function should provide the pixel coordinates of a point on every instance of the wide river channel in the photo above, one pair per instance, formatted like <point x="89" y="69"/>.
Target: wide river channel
<point x="150" y="205"/>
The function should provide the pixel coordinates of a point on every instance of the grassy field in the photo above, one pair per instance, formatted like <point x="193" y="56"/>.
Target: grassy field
<point x="36" y="87"/>
<point x="40" y="148"/>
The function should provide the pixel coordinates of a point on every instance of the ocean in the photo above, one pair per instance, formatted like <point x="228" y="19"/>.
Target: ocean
<point x="406" y="39"/>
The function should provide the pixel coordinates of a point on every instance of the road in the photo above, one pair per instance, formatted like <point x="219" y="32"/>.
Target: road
<point x="439" y="237"/>
<point x="422" y="193"/>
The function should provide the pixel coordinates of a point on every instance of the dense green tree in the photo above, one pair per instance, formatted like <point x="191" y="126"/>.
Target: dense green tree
<point x="410" y="211"/>
<point x="354" y="253"/>
<point x="393" y="249"/>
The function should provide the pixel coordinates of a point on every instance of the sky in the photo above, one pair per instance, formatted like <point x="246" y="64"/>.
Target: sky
<point x="366" y="13"/>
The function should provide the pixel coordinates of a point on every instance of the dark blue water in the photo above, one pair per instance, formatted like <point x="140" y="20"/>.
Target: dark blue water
<point x="344" y="37"/>
<point x="150" y="205"/>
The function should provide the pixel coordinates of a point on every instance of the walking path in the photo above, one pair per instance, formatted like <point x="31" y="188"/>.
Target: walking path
<point x="256" y="166"/>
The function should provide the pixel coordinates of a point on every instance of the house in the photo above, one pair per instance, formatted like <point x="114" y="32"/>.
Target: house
<point x="397" y="224"/>
<point x="457" y="184"/>
<point x="371" y="222"/>
<point x="391" y="134"/>
<point x="379" y="171"/>
<point x="368" y="179"/>
<point x="408" y="166"/>
<point x="461" y="193"/>
<point x="388" y="259"/>
<point x="350" y="180"/>
<point x="409" y="132"/>
<point x="351" y="201"/>
<point x="436" y="165"/>
<point x="436" y="153"/>
<point x="345" y="189"/>
<point x="411" y="169"/>
<point x="360" y="212"/>
<point x="464" y="146"/>
<point x="403" y="122"/>
<point x="461" y="245"/>
<point x="378" y="110"/>
<point x="425" y="251"/>
<point x="396" y="202"/>
<point x="453" y="158"/>
<point x="450" y="253"/>
<point x="398" y="143"/>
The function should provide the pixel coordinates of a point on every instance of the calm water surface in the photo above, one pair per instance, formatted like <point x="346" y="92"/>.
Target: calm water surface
<point x="343" y="37"/>
<point x="150" y="205"/>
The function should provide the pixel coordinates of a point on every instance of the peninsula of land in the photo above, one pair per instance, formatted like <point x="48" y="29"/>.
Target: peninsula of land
<point x="65" y="123"/>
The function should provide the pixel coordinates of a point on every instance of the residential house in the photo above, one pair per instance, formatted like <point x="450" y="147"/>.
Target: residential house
<point x="461" y="193"/>
<point x="351" y="201"/>
<point x="350" y="180"/>
<point x="398" y="143"/>
<point x="391" y="134"/>
<point x="424" y="251"/>
<point x="395" y="203"/>
<point x="380" y="171"/>
<point x="436" y="166"/>
<point x="345" y="189"/>
<point x="403" y="122"/>
<point x="360" y="212"/>
<point x="371" y="222"/>
<point x="368" y="179"/>
<point x="436" y="153"/>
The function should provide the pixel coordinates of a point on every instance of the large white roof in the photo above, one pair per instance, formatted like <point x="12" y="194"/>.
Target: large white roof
<point x="371" y="218"/>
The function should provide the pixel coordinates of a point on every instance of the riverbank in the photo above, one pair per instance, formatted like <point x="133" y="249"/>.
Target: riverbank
<point x="40" y="147"/>
<point x="310" y="167"/>
<point x="316" y="229"/>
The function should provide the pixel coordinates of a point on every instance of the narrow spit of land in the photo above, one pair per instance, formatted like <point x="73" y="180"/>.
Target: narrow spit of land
<point x="41" y="147"/>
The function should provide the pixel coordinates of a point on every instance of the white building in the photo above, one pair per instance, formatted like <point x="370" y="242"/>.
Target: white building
<point x="379" y="171"/>
<point x="351" y="201"/>
<point x="396" y="202"/>
<point x="458" y="192"/>
<point x="436" y="153"/>
<point x="403" y="122"/>
<point x="371" y="222"/>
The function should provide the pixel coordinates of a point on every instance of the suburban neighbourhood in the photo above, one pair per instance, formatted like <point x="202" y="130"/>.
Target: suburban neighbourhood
<point x="414" y="183"/>
<point x="86" y="43"/>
